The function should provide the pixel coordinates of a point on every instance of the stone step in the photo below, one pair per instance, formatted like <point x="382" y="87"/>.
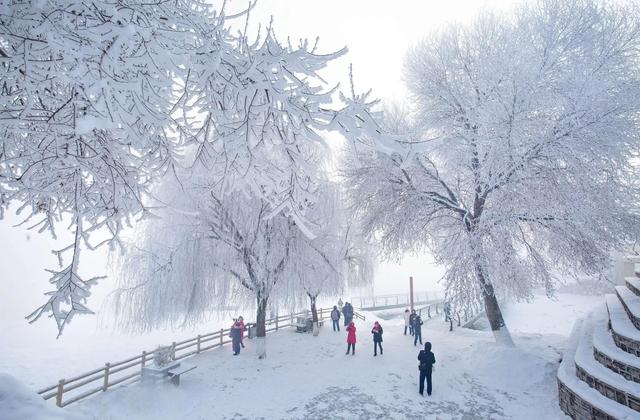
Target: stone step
<point x="603" y="380"/>
<point x="633" y="283"/>
<point x="609" y="355"/>
<point x="624" y="333"/>
<point x="631" y="303"/>
<point x="579" y="401"/>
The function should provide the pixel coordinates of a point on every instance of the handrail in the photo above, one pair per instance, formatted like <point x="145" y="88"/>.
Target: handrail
<point x="109" y="372"/>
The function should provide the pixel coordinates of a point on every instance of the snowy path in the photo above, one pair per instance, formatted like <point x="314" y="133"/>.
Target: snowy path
<point x="311" y="377"/>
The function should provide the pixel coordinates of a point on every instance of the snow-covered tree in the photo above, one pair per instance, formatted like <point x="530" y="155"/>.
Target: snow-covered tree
<point x="519" y="158"/>
<point x="95" y="98"/>
<point x="337" y="257"/>
<point x="86" y="96"/>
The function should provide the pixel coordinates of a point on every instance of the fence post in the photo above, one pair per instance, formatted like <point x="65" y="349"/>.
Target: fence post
<point x="198" y="345"/>
<point x="292" y="319"/>
<point x="60" y="391"/>
<point x="276" y="322"/>
<point x="173" y="350"/>
<point x="221" y="336"/>
<point x="144" y="358"/>
<point x="429" y="311"/>
<point x="437" y="312"/>
<point x="105" y="385"/>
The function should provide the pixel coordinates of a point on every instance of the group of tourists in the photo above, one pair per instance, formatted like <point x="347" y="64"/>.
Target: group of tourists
<point x="412" y="322"/>
<point x="347" y="312"/>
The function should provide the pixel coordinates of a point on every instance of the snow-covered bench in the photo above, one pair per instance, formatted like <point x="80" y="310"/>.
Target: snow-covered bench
<point x="306" y="324"/>
<point x="171" y="371"/>
<point x="174" y="374"/>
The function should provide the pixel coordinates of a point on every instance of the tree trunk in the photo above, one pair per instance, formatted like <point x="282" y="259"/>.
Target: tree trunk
<point x="261" y="329"/>
<point x="314" y="315"/>
<point x="492" y="309"/>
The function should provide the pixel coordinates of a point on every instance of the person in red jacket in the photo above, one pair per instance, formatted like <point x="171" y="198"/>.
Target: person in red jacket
<point x="351" y="339"/>
<point x="242" y="329"/>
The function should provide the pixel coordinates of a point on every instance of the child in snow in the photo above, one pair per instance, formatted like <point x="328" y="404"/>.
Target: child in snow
<point x="417" y="329"/>
<point x="407" y="315"/>
<point x="242" y="329"/>
<point x="427" y="360"/>
<point x="351" y="339"/>
<point x="377" y="338"/>
<point x="335" y="318"/>
<point x="235" y="337"/>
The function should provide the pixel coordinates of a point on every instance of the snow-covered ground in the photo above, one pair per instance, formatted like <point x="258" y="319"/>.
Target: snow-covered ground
<point x="311" y="377"/>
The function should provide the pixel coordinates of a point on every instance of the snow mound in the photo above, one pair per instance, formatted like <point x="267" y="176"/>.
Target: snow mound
<point x="18" y="402"/>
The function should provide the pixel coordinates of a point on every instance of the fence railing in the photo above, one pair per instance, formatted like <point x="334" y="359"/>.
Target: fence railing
<point x="463" y="318"/>
<point x="129" y="370"/>
<point x="394" y="300"/>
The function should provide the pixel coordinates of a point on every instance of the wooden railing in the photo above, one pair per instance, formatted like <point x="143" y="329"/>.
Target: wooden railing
<point x="464" y="317"/>
<point x="129" y="370"/>
<point x="398" y="300"/>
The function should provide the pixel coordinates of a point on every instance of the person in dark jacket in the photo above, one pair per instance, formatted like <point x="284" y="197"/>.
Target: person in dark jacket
<point x="335" y="318"/>
<point x="417" y="329"/>
<point x="427" y="360"/>
<point x="377" y="338"/>
<point x="235" y="333"/>
<point x="412" y="317"/>
<point x="347" y="311"/>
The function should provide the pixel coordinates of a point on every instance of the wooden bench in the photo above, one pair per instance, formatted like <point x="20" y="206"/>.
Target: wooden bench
<point x="174" y="374"/>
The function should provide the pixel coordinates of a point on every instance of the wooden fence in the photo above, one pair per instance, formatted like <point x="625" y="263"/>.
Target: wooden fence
<point x="129" y="370"/>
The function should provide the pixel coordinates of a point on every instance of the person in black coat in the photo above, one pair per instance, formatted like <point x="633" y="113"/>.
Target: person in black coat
<point x="417" y="329"/>
<point x="235" y="334"/>
<point x="347" y="311"/>
<point x="377" y="338"/>
<point x="427" y="360"/>
<point x="412" y="318"/>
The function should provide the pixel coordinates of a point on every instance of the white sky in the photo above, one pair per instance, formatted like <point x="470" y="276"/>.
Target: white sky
<point x="377" y="34"/>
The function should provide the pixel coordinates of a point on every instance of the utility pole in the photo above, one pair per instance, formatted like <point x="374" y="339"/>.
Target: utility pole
<point x="411" y="292"/>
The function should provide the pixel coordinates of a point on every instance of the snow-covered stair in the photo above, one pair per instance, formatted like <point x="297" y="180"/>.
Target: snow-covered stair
<point x="631" y="303"/>
<point x="633" y="283"/>
<point x="625" y="334"/>
<point x="580" y="401"/>
<point x="608" y="354"/>
<point x="599" y="377"/>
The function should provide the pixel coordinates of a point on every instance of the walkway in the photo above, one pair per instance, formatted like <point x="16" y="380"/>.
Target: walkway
<point x="311" y="377"/>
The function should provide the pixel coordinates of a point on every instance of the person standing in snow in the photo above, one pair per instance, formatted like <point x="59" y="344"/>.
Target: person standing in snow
<point x="335" y="318"/>
<point x="377" y="338"/>
<point x="242" y="330"/>
<point x="407" y="316"/>
<point x="347" y="311"/>
<point x="412" y="318"/>
<point x="427" y="360"/>
<point x="235" y="337"/>
<point x="447" y="311"/>
<point x="417" y="329"/>
<point x="351" y="338"/>
<point x="340" y="303"/>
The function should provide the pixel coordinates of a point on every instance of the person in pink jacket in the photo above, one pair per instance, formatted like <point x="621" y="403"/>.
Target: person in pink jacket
<point x="242" y="330"/>
<point x="351" y="338"/>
